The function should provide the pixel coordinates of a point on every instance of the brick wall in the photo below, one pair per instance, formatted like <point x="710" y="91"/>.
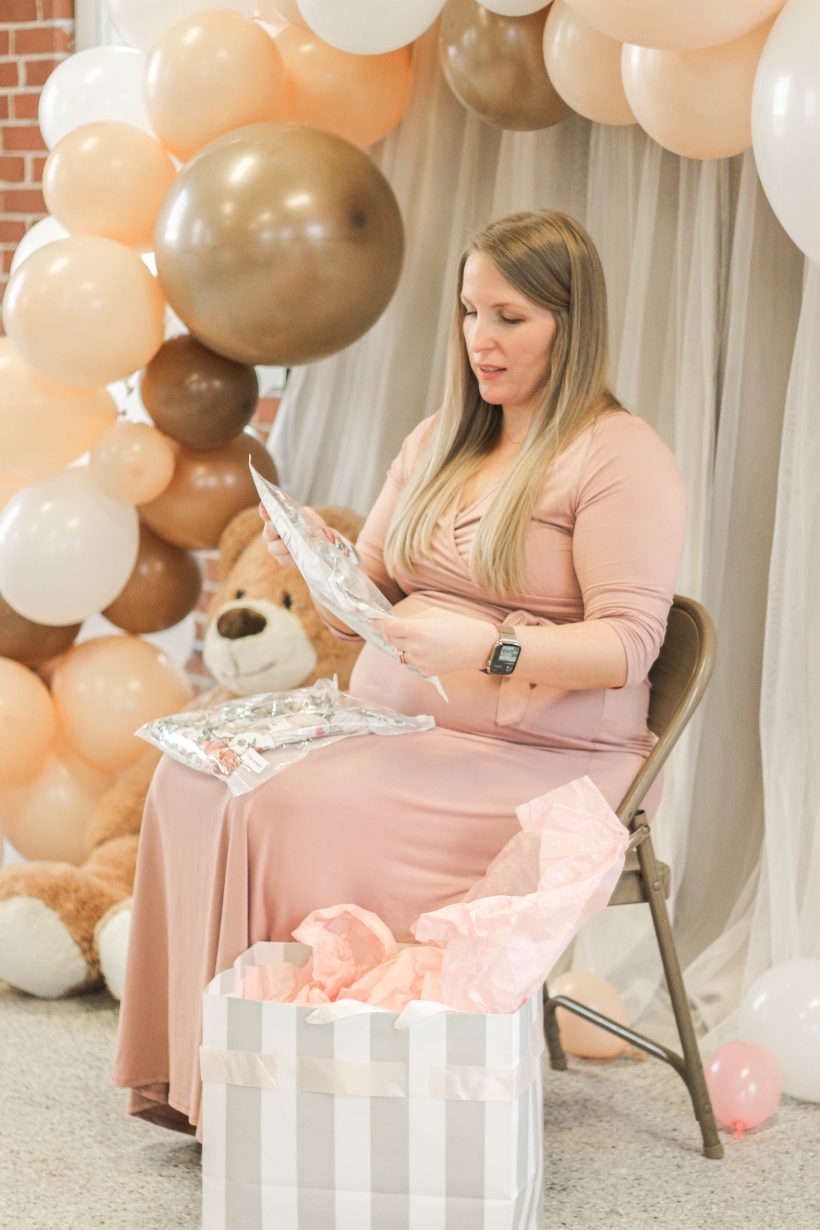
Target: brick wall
<point x="34" y="36"/>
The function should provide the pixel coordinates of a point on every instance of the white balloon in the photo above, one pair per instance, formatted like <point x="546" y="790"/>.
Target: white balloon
<point x="37" y="236"/>
<point x="786" y="123"/>
<point x="513" y="8"/>
<point x="781" y="1012"/>
<point x="100" y="83"/>
<point x="369" y="27"/>
<point x="66" y="550"/>
<point x="141" y="22"/>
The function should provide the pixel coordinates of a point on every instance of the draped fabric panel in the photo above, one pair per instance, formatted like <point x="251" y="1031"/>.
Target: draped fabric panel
<point x="714" y="323"/>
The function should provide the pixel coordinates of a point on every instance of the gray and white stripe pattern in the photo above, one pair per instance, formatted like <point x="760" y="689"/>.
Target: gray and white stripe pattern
<point x="354" y="1125"/>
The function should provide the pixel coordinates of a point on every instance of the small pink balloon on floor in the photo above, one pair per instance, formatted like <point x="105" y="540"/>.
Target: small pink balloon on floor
<point x="744" y="1083"/>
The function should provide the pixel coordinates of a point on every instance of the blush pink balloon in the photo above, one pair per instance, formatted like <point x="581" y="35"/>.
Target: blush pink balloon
<point x="132" y="462"/>
<point x="745" y="1084"/>
<point x="672" y="25"/>
<point x="27" y="722"/>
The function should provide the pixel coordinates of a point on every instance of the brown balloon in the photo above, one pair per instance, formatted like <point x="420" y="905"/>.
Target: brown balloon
<point x="279" y="244"/>
<point x="495" y="66"/>
<point x="208" y="488"/>
<point x="196" y="396"/>
<point x="163" y="588"/>
<point x="29" y="642"/>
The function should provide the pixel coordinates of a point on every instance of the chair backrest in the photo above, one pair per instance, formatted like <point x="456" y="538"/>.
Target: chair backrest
<point x="678" y="680"/>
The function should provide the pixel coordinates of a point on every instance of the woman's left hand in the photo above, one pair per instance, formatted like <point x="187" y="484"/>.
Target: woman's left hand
<point x="436" y="642"/>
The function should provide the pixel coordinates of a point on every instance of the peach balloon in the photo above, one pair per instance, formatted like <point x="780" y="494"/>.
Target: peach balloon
<point x="84" y="311"/>
<point x="27" y="722"/>
<point x="209" y="74"/>
<point x="108" y="179"/>
<point x="132" y="462"/>
<point x="46" y="818"/>
<point x="44" y="425"/>
<point x="671" y="25"/>
<point x="360" y="98"/>
<point x="580" y="1037"/>
<point x="106" y="688"/>
<point x="696" y="103"/>
<point x="584" y="66"/>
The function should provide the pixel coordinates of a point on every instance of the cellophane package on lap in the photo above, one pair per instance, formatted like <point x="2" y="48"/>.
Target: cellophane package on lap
<point x="248" y="740"/>
<point x="331" y="570"/>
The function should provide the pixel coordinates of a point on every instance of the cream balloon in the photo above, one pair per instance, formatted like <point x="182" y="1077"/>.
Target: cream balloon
<point x="106" y="689"/>
<point x="100" y="83"/>
<point x="36" y="237"/>
<point x="584" y="66"/>
<point x="369" y="27"/>
<point x="44" y="425"/>
<point x="695" y="103"/>
<point x="108" y="179"/>
<point x="208" y="75"/>
<point x="141" y="22"/>
<point x="675" y="26"/>
<point x="84" y="311"/>
<point x="581" y="1037"/>
<point x="47" y="817"/>
<point x="27" y="722"/>
<point x="786" y="123"/>
<point x="513" y="8"/>
<point x="66" y="550"/>
<point x="781" y="1012"/>
<point x="132" y="462"/>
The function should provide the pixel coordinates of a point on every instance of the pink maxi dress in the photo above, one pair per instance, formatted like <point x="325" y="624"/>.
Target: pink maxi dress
<point x="407" y="824"/>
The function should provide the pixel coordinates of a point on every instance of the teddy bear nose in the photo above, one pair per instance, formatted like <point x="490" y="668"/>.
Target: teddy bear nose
<point x="240" y="621"/>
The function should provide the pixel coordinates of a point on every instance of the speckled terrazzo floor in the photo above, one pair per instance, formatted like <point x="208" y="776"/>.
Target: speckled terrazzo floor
<point x="620" y="1147"/>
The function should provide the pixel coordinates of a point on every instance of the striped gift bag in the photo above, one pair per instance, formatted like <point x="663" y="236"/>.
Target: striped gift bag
<point x="349" y="1123"/>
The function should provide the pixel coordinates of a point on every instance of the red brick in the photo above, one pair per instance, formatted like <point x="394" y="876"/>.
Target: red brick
<point x="9" y="74"/>
<point x="11" y="232"/>
<point x="35" y="72"/>
<point x="12" y="170"/>
<point x="22" y="201"/>
<point x="22" y="137"/>
<point x="24" y="106"/>
<point x="8" y="254"/>
<point x="35" y="170"/>
<point x="4" y="42"/>
<point x="41" y="41"/>
<point x="4" y="107"/>
<point x="59" y="9"/>
<point x="19" y="10"/>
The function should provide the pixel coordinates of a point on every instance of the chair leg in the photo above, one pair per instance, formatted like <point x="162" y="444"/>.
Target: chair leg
<point x="552" y="1034"/>
<point x="695" y="1079"/>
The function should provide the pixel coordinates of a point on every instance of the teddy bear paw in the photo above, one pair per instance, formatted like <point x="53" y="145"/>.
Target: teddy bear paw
<point x="111" y="935"/>
<point x="37" y="953"/>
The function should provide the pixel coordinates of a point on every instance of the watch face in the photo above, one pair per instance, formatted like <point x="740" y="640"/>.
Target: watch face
<point x="504" y="659"/>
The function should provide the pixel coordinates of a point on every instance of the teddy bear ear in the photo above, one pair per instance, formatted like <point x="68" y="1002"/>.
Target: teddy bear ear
<point x="237" y="534"/>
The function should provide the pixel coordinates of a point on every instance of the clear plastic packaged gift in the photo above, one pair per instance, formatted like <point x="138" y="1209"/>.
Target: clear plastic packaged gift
<point x="245" y="741"/>
<point x="331" y="570"/>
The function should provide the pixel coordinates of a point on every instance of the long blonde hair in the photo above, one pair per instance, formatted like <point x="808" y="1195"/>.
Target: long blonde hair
<point x="549" y="258"/>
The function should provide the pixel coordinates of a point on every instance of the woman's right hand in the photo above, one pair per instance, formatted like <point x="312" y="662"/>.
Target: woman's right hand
<point x="276" y="546"/>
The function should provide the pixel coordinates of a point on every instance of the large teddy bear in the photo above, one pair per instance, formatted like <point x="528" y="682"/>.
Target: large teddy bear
<point x="63" y="928"/>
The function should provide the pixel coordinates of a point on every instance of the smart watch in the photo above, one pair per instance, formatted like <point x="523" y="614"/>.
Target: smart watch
<point x="505" y="653"/>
